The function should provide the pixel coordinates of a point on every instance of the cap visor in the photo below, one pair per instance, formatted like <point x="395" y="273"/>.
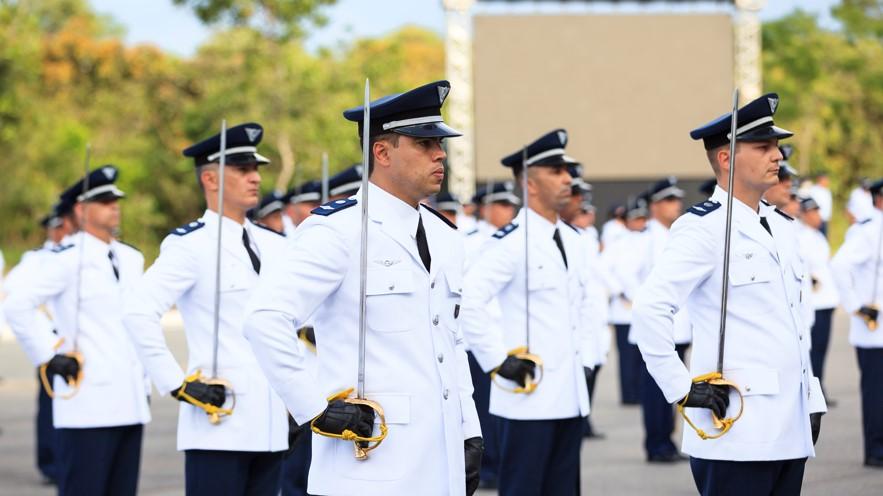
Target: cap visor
<point x="765" y="133"/>
<point x="428" y="130"/>
<point x="246" y="159"/>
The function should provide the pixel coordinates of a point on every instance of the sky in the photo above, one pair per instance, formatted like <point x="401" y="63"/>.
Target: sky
<point x="176" y="29"/>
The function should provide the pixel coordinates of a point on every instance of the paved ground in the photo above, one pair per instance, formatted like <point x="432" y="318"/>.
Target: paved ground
<point x="612" y="466"/>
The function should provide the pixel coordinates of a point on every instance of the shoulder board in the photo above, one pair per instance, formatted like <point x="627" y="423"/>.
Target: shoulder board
<point x="267" y="228"/>
<point x="187" y="228"/>
<point x="505" y="230"/>
<point x="61" y="248"/>
<point x="129" y="245"/>
<point x="440" y="216"/>
<point x="869" y="219"/>
<point x="572" y="227"/>
<point x="334" y="206"/>
<point x="783" y="214"/>
<point x="704" y="207"/>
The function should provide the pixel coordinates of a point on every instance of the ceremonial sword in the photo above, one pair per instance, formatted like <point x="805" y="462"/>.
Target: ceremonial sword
<point x="872" y="323"/>
<point x="717" y="378"/>
<point x="74" y="384"/>
<point x="325" y="177"/>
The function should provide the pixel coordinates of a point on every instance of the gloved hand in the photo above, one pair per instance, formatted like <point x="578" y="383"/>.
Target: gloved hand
<point x="307" y="333"/>
<point x="868" y="313"/>
<point x="340" y="416"/>
<point x="704" y="395"/>
<point x="213" y="394"/>
<point x="516" y="369"/>
<point x="473" y="448"/>
<point x="815" y="423"/>
<point x="590" y="375"/>
<point x="66" y="366"/>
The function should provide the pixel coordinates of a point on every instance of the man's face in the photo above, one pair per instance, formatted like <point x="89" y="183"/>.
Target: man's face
<point x="757" y="164"/>
<point x="572" y="209"/>
<point x="812" y="218"/>
<point x="100" y="215"/>
<point x="550" y="186"/>
<point x="780" y="194"/>
<point x="274" y="221"/>
<point x="499" y="214"/>
<point x="667" y="210"/>
<point x="636" y="224"/>
<point x="241" y="185"/>
<point x="416" y="166"/>
<point x="300" y="211"/>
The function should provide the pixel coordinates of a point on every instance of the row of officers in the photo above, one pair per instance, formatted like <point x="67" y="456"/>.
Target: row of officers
<point x="482" y="343"/>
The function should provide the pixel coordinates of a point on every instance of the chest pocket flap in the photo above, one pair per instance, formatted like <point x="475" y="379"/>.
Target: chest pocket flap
<point x="540" y="277"/>
<point x="749" y="269"/>
<point x="389" y="281"/>
<point x="756" y="381"/>
<point x="390" y="292"/>
<point x="455" y="282"/>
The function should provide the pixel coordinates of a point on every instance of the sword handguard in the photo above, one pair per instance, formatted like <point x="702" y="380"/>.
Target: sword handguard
<point x="361" y="444"/>
<point x="215" y="413"/>
<point x="73" y="384"/>
<point x="870" y="322"/>
<point x="722" y="425"/>
<point x="530" y="382"/>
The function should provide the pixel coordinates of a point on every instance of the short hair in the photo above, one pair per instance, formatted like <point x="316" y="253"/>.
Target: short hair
<point x="392" y="138"/>
<point x="712" y="158"/>
<point x="199" y="170"/>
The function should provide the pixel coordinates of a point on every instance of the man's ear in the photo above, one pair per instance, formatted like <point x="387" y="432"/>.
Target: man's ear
<point x="380" y="151"/>
<point x="209" y="178"/>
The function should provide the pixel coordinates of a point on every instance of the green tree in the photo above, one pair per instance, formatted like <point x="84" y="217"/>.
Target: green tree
<point x="278" y="18"/>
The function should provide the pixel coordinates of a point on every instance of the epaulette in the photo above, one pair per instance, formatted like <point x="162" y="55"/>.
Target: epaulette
<point x="783" y="214"/>
<point x="334" y="206"/>
<point x="572" y="227"/>
<point x="704" y="207"/>
<point x="61" y="248"/>
<point x="268" y="228"/>
<point x="187" y="228"/>
<point x="505" y="230"/>
<point x="440" y="216"/>
<point x="129" y="245"/>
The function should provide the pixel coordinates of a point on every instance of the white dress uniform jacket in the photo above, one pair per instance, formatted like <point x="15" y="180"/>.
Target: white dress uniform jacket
<point x="853" y="268"/>
<point x="415" y="366"/>
<point x="184" y="275"/>
<point x="767" y="347"/>
<point x="560" y="310"/>
<point x="814" y="250"/>
<point x="622" y="259"/>
<point x="24" y="271"/>
<point x="114" y="389"/>
<point x="595" y="352"/>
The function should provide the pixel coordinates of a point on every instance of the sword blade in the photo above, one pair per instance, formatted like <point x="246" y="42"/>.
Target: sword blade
<point x="82" y="242"/>
<point x="217" y="314"/>
<point x="324" y="177"/>
<point x="526" y="206"/>
<point x="363" y="260"/>
<point x="727" y="235"/>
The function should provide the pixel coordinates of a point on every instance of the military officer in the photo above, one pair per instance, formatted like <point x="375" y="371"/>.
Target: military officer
<point x="823" y="295"/>
<point x="268" y="213"/>
<point x="766" y="351"/>
<point x="497" y="205"/>
<point x="99" y="419"/>
<point x="619" y="257"/>
<point x="540" y="432"/>
<point x="859" y="277"/>
<point x="448" y="204"/>
<point x="665" y="201"/>
<point x="242" y="453"/>
<point x="345" y="183"/>
<point x="415" y="366"/>
<point x="300" y="201"/>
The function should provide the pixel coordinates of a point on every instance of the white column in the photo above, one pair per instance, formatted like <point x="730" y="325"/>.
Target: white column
<point x="458" y="70"/>
<point x="747" y="49"/>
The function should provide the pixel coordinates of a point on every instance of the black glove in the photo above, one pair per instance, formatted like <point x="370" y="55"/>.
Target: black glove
<point x="815" y="423"/>
<point x="473" y="448"/>
<point x="704" y="395"/>
<point x="516" y="369"/>
<point x="340" y="416"/>
<point x="590" y="376"/>
<point x="868" y="313"/>
<point x="308" y="333"/>
<point x="66" y="366"/>
<point x="213" y="394"/>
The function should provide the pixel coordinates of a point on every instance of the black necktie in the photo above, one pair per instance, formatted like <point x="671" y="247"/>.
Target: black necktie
<point x="766" y="225"/>
<point x="422" y="245"/>
<point x="255" y="261"/>
<point x="560" y="245"/>
<point x="113" y="263"/>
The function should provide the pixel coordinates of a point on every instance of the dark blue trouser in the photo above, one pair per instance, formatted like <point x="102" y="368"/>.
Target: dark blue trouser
<point x="629" y="366"/>
<point x="727" y="478"/>
<point x="820" y="335"/>
<point x="481" y="394"/>
<point x="102" y="461"/>
<point x="47" y="444"/>
<point x="870" y="364"/>
<point x="539" y="457"/>
<point x="659" y="420"/>
<point x="296" y="464"/>
<point x="234" y="473"/>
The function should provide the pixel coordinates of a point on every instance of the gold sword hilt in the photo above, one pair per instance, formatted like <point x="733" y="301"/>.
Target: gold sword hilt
<point x="215" y="413"/>
<point x="530" y="382"/>
<point x="362" y="444"/>
<point x="722" y="425"/>
<point x="73" y="384"/>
